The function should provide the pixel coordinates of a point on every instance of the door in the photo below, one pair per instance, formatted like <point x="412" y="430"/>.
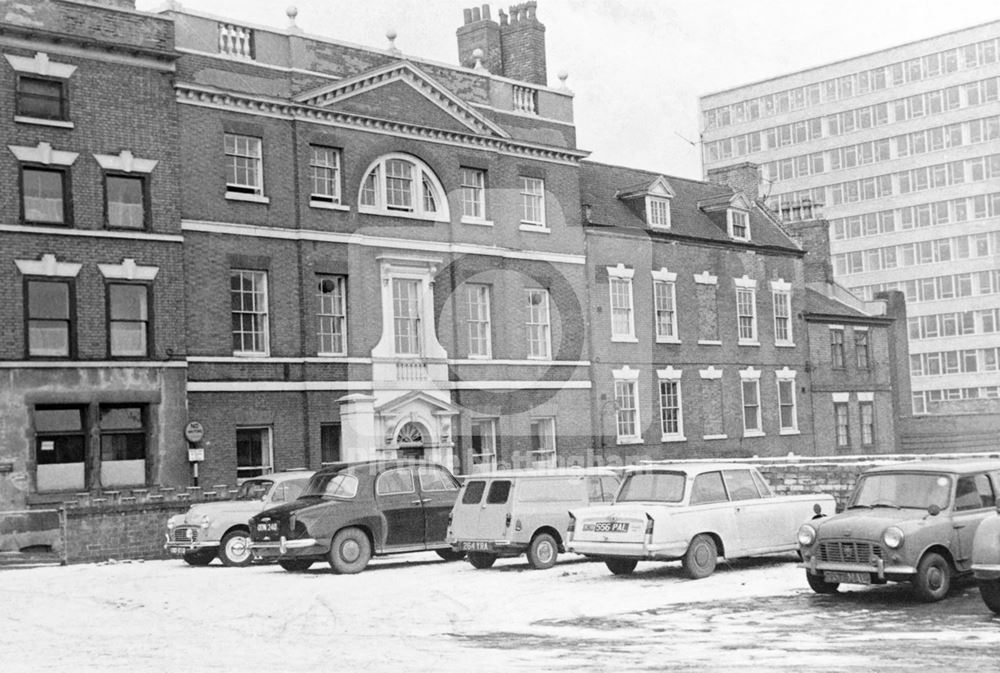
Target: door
<point x="493" y="512"/>
<point x="438" y="490"/>
<point x="711" y="510"/>
<point x="401" y="507"/>
<point x="754" y="516"/>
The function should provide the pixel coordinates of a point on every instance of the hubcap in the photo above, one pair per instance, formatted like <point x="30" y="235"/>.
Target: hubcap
<point x="237" y="548"/>
<point x="701" y="555"/>
<point x="350" y="551"/>
<point x="935" y="578"/>
<point x="545" y="552"/>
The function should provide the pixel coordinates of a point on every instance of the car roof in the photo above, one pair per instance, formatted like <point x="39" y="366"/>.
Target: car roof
<point x="285" y="476"/>
<point x="938" y="465"/>
<point x="374" y="466"/>
<point x="544" y="472"/>
<point x="688" y="468"/>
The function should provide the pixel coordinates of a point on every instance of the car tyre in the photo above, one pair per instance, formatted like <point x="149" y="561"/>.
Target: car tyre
<point x="933" y="578"/>
<point x="700" y="558"/>
<point x="543" y="551"/>
<point x="817" y="584"/>
<point x="350" y="552"/>
<point x="450" y="554"/>
<point x="200" y="557"/>
<point x="989" y="590"/>
<point x="296" y="565"/>
<point x="481" y="560"/>
<point x="621" y="566"/>
<point x="234" y="549"/>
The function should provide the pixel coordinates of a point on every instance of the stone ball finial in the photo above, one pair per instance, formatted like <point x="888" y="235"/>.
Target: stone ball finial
<point x="292" y="12"/>
<point x="477" y="54"/>
<point x="391" y="34"/>
<point x="562" y="75"/>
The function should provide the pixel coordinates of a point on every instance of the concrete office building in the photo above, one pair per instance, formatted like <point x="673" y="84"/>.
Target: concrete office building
<point x="902" y="147"/>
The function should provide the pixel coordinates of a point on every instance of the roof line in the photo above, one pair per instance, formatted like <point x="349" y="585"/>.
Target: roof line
<point x="657" y="174"/>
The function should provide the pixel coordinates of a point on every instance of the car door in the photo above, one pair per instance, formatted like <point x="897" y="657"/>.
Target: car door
<point x="711" y="511"/>
<point x="754" y="516"/>
<point x="494" y="509"/>
<point x="438" y="490"/>
<point x="400" y="504"/>
<point x="975" y="498"/>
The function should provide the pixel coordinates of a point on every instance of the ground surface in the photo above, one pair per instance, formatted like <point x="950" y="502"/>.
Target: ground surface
<point x="417" y="613"/>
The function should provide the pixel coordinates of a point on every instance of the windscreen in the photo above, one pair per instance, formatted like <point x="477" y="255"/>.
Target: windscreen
<point x="253" y="489"/>
<point x="652" y="487"/>
<point x="902" y="489"/>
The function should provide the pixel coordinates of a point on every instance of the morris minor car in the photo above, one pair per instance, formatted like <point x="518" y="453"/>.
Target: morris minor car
<point x="350" y="512"/>
<point x="909" y="522"/>
<point x="222" y="528"/>
<point x="695" y="512"/>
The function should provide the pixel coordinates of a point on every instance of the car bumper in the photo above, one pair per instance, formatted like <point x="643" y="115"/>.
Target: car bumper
<point x="285" y="548"/>
<point x="983" y="571"/>
<point x="498" y="547"/>
<point x="631" y="550"/>
<point x="879" y="570"/>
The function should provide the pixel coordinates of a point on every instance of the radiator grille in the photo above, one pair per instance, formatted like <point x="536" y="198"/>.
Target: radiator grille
<point x="849" y="552"/>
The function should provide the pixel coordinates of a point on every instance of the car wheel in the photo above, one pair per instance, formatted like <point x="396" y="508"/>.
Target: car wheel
<point x="201" y="557"/>
<point x="296" y="565"/>
<point x="933" y="578"/>
<point x="543" y="551"/>
<point x="234" y="550"/>
<point x="621" y="566"/>
<point x="817" y="584"/>
<point x="990" y="592"/>
<point x="450" y="554"/>
<point x="350" y="552"/>
<point x="481" y="560"/>
<point x="700" y="558"/>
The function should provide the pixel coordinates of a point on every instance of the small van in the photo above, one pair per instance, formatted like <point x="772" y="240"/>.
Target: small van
<point x="509" y="513"/>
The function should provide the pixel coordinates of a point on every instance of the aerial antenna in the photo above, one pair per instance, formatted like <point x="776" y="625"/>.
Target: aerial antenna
<point x="690" y="142"/>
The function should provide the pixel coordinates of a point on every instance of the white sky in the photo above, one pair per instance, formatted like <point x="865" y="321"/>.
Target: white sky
<point x="637" y="67"/>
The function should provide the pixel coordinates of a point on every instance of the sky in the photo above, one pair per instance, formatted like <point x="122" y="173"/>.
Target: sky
<point x="637" y="67"/>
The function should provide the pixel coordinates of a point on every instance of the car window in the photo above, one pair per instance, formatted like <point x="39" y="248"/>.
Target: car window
<point x="740" y="485"/>
<point x="595" y="490"/>
<point x="253" y="489"/>
<point x="473" y="492"/>
<point x="343" y="486"/>
<point x="653" y="487"/>
<point x="499" y="492"/>
<point x="708" y="488"/>
<point x="293" y="488"/>
<point x="610" y="486"/>
<point x="909" y="490"/>
<point x="435" y="479"/>
<point x="974" y="492"/>
<point x="762" y="486"/>
<point x="399" y="480"/>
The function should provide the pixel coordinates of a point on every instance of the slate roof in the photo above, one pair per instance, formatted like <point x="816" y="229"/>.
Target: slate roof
<point x="820" y="304"/>
<point x="601" y="183"/>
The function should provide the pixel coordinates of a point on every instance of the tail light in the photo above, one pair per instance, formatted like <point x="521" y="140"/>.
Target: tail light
<point x="649" y="524"/>
<point x="451" y="517"/>
<point x="508" y="519"/>
<point x="572" y="523"/>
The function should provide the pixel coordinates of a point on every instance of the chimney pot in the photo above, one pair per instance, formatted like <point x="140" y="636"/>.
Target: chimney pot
<point x="467" y="16"/>
<point x="476" y="16"/>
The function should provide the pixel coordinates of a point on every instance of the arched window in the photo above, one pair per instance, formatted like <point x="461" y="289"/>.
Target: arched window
<point x="403" y="186"/>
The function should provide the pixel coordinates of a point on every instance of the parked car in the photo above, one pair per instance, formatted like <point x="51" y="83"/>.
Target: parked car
<point x="986" y="560"/>
<point x="909" y="522"/>
<point x="351" y="511"/>
<point x="695" y="512"/>
<point x="509" y="513"/>
<point x="222" y="528"/>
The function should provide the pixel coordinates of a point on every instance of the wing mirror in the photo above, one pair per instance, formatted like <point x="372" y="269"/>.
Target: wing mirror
<point x="933" y="510"/>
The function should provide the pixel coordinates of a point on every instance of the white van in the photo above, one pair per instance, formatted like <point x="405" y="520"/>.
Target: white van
<point x="509" y="513"/>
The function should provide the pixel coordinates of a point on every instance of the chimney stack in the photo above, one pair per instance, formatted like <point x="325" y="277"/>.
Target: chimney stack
<point x="480" y="31"/>
<point x="514" y="48"/>
<point x="744" y="177"/>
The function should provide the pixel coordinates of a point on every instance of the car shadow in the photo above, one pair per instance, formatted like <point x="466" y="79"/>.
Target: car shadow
<point x="673" y="569"/>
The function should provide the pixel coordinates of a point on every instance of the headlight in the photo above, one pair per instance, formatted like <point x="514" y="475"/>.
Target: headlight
<point x="892" y="537"/>
<point x="806" y="535"/>
<point x="205" y="521"/>
<point x="172" y="523"/>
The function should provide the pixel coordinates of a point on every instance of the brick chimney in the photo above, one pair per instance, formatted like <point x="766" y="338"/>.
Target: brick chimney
<point x="814" y="236"/>
<point x="744" y="177"/>
<point x="479" y="31"/>
<point x="514" y="47"/>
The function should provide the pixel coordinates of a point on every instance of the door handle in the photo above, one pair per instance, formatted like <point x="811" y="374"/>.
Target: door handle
<point x="420" y="502"/>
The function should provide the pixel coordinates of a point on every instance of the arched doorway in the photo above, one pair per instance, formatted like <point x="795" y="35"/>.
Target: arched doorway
<point x="410" y="441"/>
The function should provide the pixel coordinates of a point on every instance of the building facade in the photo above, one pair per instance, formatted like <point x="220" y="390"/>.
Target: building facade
<point x="902" y="148"/>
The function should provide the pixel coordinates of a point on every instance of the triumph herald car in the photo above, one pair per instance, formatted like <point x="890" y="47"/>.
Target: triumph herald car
<point x="221" y="528"/>
<point x="351" y="511"/>
<point x="908" y="522"/>
<point x="695" y="512"/>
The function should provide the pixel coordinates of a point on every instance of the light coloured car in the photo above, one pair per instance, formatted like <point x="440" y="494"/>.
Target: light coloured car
<point x="695" y="512"/>
<point x="221" y="528"/>
<point x="986" y="560"/>
<point x="908" y="522"/>
<point x="509" y="513"/>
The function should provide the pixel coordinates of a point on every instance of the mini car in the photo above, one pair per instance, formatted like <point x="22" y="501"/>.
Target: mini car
<point x="908" y="522"/>
<point x="509" y="513"/>
<point x="351" y="511"/>
<point x="695" y="512"/>
<point x="222" y="528"/>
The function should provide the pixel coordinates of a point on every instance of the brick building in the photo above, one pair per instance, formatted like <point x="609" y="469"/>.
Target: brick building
<point x="91" y="280"/>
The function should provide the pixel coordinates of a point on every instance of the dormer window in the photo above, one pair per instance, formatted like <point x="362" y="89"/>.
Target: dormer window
<point x="403" y="186"/>
<point x="739" y="224"/>
<point x="655" y="197"/>
<point x="658" y="212"/>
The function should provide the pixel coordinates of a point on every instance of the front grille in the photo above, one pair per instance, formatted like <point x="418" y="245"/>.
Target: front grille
<point x="848" y="552"/>
<point x="185" y="534"/>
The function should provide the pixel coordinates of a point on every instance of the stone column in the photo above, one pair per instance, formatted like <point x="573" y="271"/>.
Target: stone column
<point x="358" y="438"/>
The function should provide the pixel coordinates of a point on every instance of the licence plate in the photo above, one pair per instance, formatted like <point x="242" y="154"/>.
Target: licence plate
<point x="177" y="550"/>
<point x="611" y="527"/>
<point x="846" y="577"/>
<point x="475" y="546"/>
<point x="268" y="527"/>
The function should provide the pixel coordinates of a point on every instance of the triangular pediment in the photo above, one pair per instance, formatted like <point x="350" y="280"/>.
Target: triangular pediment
<point x="401" y="92"/>
<point x="658" y="187"/>
<point x="737" y="200"/>
<point x="407" y="401"/>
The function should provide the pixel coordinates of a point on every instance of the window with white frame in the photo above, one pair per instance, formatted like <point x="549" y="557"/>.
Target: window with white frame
<point x="42" y="89"/>
<point x="473" y="194"/>
<point x="244" y="167"/>
<point x="867" y="410"/>
<point x="248" y="295"/>
<point x="254" y="454"/>
<point x="842" y="426"/>
<point x="739" y="224"/>
<point x="788" y="421"/>
<point x="658" y="212"/>
<point x="324" y="173"/>
<point x="539" y="328"/>
<point x="50" y="317"/>
<point x="543" y="441"/>
<point x="478" y="301"/>
<point x="627" y="425"/>
<point x="331" y="311"/>
<point x="622" y="318"/>
<point x="406" y="315"/>
<point x="781" y="296"/>
<point x="665" y="306"/>
<point x="746" y="311"/>
<point x="484" y="444"/>
<point x="403" y="186"/>
<point x="750" y="385"/>
<point x="128" y="320"/>
<point x="671" y="413"/>
<point x="532" y="201"/>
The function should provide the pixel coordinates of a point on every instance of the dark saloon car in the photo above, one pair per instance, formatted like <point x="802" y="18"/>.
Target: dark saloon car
<point x="351" y="511"/>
